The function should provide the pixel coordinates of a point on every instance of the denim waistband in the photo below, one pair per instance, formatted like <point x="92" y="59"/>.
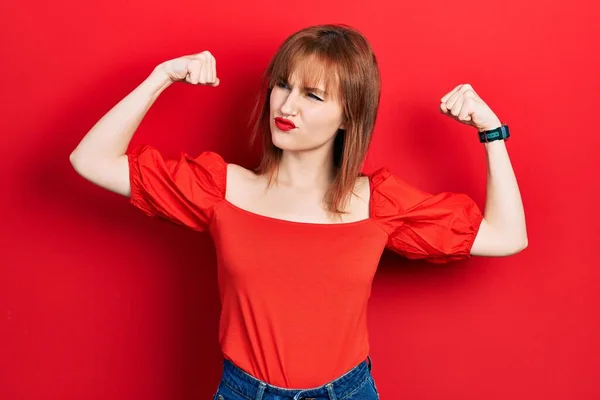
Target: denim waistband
<point x="255" y="389"/>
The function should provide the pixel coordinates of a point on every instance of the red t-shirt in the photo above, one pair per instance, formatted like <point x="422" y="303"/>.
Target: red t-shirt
<point x="293" y="294"/>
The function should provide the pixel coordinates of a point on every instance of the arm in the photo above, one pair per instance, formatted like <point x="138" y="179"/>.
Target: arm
<point x="503" y="231"/>
<point x="100" y="156"/>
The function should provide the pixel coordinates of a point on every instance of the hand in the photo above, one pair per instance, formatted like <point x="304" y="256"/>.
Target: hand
<point x="465" y="106"/>
<point x="194" y="69"/>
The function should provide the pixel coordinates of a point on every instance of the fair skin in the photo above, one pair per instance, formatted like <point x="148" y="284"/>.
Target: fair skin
<point x="306" y="167"/>
<point x="503" y="231"/>
<point x="303" y="177"/>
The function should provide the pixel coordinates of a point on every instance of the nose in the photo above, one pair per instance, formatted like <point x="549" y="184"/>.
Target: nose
<point x="289" y="105"/>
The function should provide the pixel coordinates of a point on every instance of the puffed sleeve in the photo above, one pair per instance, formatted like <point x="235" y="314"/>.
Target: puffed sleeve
<point x="182" y="189"/>
<point x="438" y="228"/>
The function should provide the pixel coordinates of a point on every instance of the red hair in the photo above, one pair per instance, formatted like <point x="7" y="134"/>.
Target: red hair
<point x="343" y="58"/>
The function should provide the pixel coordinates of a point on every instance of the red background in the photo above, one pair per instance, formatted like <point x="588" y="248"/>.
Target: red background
<point x="98" y="301"/>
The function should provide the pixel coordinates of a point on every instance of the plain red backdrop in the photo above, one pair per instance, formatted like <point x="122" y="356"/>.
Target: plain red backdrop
<point x="98" y="301"/>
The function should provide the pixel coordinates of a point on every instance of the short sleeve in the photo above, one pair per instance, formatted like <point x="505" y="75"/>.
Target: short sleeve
<point x="183" y="189"/>
<point x="438" y="228"/>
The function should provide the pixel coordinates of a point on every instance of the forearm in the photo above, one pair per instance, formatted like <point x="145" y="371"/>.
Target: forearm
<point x="503" y="205"/>
<point x="110" y="136"/>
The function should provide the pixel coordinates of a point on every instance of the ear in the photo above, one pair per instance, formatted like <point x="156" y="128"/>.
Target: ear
<point x="343" y="124"/>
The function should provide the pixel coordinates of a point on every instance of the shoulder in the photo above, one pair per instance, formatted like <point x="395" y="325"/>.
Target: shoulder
<point x="241" y="183"/>
<point x="236" y="174"/>
<point x="362" y="187"/>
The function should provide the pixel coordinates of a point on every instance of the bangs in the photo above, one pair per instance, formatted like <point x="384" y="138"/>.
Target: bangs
<point x="339" y="60"/>
<point x="311" y="70"/>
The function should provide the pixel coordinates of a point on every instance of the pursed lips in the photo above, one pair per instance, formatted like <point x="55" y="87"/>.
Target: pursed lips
<point x="284" y="124"/>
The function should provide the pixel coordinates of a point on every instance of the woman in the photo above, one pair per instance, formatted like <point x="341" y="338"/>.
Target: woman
<point x="299" y="238"/>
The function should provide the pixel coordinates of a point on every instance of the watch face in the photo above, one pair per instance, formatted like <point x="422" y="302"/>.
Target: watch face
<point x="501" y="133"/>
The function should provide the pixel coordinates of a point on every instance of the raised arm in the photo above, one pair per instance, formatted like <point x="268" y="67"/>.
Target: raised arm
<point x="503" y="231"/>
<point x="101" y="157"/>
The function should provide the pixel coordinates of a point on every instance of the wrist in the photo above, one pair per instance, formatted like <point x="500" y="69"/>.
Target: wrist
<point x="158" y="81"/>
<point x="494" y="144"/>
<point x="501" y="133"/>
<point x="495" y="125"/>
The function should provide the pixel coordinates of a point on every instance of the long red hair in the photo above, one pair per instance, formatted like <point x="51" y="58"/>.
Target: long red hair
<point x="341" y="56"/>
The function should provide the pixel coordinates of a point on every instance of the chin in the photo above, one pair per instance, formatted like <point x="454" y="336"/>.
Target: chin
<point x="283" y="140"/>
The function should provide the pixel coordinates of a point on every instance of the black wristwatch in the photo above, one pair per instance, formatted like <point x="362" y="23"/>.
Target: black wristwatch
<point x="500" y="133"/>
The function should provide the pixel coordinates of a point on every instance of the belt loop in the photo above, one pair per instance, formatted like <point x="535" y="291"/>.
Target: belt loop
<point x="370" y="363"/>
<point x="261" y="391"/>
<point x="331" y="392"/>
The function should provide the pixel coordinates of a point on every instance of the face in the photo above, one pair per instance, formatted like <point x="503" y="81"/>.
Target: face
<point x="316" y="116"/>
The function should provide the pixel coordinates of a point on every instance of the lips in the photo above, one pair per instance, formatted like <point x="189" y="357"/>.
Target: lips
<point x="284" y="124"/>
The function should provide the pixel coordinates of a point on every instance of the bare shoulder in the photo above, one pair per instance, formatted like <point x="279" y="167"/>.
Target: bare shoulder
<point x="237" y="172"/>
<point x="360" y="199"/>
<point x="239" y="181"/>
<point x="362" y="188"/>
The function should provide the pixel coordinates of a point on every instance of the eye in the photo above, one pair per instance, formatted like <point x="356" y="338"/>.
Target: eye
<point x="282" y="84"/>
<point x="315" y="97"/>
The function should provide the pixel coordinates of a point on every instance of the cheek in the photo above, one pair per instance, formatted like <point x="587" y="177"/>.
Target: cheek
<point x="327" y="119"/>
<point x="276" y="99"/>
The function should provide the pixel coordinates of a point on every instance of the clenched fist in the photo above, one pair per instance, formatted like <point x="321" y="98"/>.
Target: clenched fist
<point x="464" y="105"/>
<point x="195" y="69"/>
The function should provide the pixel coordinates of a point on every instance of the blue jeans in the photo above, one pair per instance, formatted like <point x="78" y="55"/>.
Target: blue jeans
<point x="356" y="384"/>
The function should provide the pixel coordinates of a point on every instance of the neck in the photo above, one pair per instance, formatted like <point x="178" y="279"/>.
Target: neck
<point x="306" y="169"/>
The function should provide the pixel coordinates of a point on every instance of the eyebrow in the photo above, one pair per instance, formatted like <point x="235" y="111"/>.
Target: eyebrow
<point x="312" y="89"/>
<point x="309" y="89"/>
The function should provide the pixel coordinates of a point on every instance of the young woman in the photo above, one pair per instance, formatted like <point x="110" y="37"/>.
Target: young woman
<point x="299" y="237"/>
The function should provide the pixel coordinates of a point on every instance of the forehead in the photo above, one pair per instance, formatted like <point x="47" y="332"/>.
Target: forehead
<point x="312" y="72"/>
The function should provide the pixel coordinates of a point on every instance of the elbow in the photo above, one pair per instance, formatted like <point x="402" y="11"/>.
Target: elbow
<point x="521" y="246"/>
<point x="72" y="158"/>
<point x="77" y="159"/>
<point x="524" y="241"/>
<point x="77" y="163"/>
<point x="519" y="240"/>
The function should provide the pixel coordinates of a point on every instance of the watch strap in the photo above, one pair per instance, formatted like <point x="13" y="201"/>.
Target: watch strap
<point x="501" y="133"/>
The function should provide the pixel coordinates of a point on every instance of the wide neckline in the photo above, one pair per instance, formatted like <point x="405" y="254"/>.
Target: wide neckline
<point x="297" y="223"/>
